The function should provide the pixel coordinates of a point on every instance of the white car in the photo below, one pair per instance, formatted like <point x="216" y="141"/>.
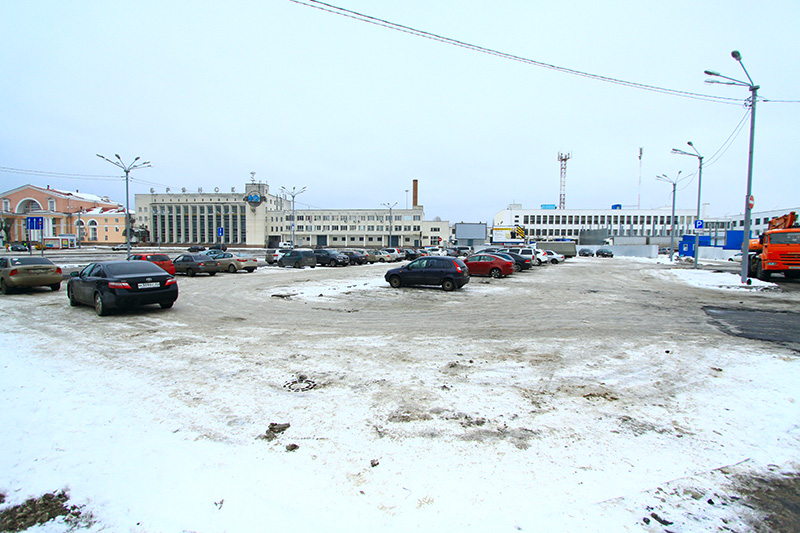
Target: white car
<point x="553" y="257"/>
<point x="435" y="250"/>
<point x="536" y="256"/>
<point x="394" y="253"/>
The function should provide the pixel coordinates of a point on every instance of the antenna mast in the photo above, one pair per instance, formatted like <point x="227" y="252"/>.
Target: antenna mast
<point x="639" y="195"/>
<point x="562" y="197"/>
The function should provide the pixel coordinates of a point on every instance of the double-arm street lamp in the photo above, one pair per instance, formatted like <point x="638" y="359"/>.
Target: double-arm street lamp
<point x="391" y="221"/>
<point x="293" y="193"/>
<point x="699" y="186"/>
<point x="748" y="197"/>
<point x="127" y="169"/>
<point x="674" y="181"/>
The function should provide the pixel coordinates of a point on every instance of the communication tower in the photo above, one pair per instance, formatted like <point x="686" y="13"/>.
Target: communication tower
<point x="562" y="197"/>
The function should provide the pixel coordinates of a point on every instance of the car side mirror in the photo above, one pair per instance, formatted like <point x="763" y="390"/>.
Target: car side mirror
<point x="74" y="274"/>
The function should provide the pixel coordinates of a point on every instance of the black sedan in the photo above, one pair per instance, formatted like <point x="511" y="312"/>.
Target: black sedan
<point x="604" y="252"/>
<point x="120" y="284"/>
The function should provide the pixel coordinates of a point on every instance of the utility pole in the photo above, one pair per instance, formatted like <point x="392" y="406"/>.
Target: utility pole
<point x="674" y="182"/>
<point x="748" y="199"/>
<point x="562" y="197"/>
<point x="699" y="189"/>
<point x="293" y="193"/>
<point x="391" y="220"/>
<point x="639" y="192"/>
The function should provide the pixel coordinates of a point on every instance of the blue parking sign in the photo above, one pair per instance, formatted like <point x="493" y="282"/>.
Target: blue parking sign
<point x="698" y="224"/>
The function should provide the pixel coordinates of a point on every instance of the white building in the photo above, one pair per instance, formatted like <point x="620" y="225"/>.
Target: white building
<point x="260" y="219"/>
<point x="553" y="224"/>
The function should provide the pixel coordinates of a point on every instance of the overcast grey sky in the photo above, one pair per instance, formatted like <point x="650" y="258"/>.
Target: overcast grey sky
<point x="210" y="91"/>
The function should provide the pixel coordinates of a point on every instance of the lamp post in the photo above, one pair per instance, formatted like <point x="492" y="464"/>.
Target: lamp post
<point x="127" y="169"/>
<point x="674" y="182"/>
<point x="747" y="199"/>
<point x="80" y="226"/>
<point x="699" y="187"/>
<point x="294" y="192"/>
<point x="391" y="220"/>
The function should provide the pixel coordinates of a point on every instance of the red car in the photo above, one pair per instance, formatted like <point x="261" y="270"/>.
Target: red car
<point x="488" y="265"/>
<point x="161" y="260"/>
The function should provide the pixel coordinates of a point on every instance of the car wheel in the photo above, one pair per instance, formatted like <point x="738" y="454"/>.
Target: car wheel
<point x="280" y="264"/>
<point x="382" y="260"/>
<point x="449" y="285"/>
<point x="231" y="268"/>
<point x="538" y="262"/>
<point x="190" y="272"/>
<point x="71" y="297"/>
<point x="55" y="286"/>
<point x="99" y="305"/>
<point x="763" y="275"/>
<point x="296" y="264"/>
<point x="517" y="267"/>
<point x="4" y="287"/>
<point x="166" y="305"/>
<point x="395" y="281"/>
<point x="554" y="261"/>
<point x="495" y="273"/>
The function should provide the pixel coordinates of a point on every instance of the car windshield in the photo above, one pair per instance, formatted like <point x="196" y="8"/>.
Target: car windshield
<point x="158" y="257"/>
<point x="19" y="261"/>
<point x="132" y="267"/>
<point x="785" y="238"/>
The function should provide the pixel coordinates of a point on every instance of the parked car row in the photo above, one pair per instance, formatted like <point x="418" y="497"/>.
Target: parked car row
<point x="454" y="272"/>
<point x="339" y="257"/>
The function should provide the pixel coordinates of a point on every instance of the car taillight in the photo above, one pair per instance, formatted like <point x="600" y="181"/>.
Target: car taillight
<point x="242" y="260"/>
<point x="13" y="272"/>
<point x="118" y="285"/>
<point x="458" y="268"/>
<point x="171" y="281"/>
<point x="200" y="264"/>
<point x="58" y="270"/>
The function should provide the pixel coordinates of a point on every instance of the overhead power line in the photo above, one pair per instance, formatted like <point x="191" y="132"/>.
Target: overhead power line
<point x="103" y="177"/>
<point x="316" y="4"/>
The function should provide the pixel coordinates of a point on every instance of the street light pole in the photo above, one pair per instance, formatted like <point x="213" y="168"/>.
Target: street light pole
<point x="127" y="169"/>
<point x="391" y="220"/>
<point x="747" y="199"/>
<point x="294" y="192"/>
<point x="674" y="182"/>
<point x="699" y="188"/>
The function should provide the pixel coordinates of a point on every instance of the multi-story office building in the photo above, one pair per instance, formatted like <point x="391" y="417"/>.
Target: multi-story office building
<point x="544" y="224"/>
<point x="624" y="224"/>
<point x="258" y="218"/>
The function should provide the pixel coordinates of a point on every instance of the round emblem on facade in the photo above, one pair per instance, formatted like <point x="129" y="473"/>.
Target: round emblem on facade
<point x="254" y="199"/>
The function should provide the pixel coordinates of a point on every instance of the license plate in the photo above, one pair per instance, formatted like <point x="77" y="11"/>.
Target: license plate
<point x="149" y="285"/>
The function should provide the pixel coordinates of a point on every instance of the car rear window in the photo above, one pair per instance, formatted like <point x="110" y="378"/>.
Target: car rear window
<point x="19" y="261"/>
<point x="158" y="257"/>
<point x="132" y="267"/>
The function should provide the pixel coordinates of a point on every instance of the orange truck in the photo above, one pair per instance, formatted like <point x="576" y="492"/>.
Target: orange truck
<point x="777" y="250"/>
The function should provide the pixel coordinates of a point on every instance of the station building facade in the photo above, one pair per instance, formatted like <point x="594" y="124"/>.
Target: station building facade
<point x="257" y="218"/>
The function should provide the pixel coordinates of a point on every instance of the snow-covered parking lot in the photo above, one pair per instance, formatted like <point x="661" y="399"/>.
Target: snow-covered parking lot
<point x="595" y="395"/>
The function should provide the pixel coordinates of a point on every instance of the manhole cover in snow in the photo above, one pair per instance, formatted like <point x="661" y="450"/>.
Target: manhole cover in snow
<point x="301" y="384"/>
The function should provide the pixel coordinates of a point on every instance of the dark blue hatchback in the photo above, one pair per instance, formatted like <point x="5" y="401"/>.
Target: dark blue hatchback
<point x="449" y="272"/>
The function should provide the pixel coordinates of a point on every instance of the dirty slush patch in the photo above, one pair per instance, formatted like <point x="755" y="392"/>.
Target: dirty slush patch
<point x="776" y="498"/>
<point x="40" y="510"/>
